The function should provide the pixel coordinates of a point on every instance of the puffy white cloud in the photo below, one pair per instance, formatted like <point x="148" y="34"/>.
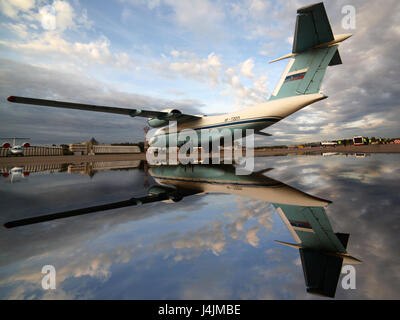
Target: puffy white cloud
<point x="65" y="15"/>
<point x="247" y="68"/>
<point x="93" y="52"/>
<point x="246" y="95"/>
<point x="40" y="33"/>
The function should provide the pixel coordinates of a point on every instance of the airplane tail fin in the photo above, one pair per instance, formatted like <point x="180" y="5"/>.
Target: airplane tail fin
<point x="314" y="49"/>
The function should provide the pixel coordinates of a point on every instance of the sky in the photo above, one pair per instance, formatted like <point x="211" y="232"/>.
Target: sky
<point x="199" y="56"/>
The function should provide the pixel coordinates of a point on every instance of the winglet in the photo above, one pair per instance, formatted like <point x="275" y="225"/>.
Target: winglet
<point x="292" y="245"/>
<point x="283" y="57"/>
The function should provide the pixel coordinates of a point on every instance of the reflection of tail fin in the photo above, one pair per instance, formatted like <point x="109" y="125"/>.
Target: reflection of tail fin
<point x="314" y="49"/>
<point x="322" y="269"/>
<point x="322" y="251"/>
<point x="321" y="272"/>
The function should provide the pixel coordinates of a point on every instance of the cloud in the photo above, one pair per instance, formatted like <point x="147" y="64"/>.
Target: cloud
<point x="202" y="17"/>
<point x="64" y="14"/>
<point x="245" y="95"/>
<point x="94" y="52"/>
<point x="197" y="15"/>
<point x="247" y="68"/>
<point x="190" y="66"/>
<point x="250" y="9"/>
<point x="12" y="8"/>
<point x="39" y="36"/>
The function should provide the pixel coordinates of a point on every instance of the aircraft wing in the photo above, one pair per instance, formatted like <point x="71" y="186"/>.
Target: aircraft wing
<point x="172" y="114"/>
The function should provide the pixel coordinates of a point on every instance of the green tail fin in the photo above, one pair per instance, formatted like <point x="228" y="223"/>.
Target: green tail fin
<point x="305" y="72"/>
<point x="314" y="49"/>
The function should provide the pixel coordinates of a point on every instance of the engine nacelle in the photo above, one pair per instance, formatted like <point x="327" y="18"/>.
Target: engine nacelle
<point x="26" y="144"/>
<point x="156" y="123"/>
<point x="172" y="112"/>
<point x="162" y="121"/>
<point x="6" y="145"/>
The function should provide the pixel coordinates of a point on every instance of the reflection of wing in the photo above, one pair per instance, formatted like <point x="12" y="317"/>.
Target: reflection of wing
<point x="169" y="115"/>
<point x="155" y="195"/>
<point x="322" y="251"/>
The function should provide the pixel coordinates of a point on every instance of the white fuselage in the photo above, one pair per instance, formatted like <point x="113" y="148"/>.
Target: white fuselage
<point x="258" y="117"/>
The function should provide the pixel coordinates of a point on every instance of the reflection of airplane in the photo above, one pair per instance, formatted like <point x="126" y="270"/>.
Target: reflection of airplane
<point x="322" y="251"/>
<point x="16" y="174"/>
<point x="314" y="49"/>
<point x="16" y="150"/>
<point x="222" y="179"/>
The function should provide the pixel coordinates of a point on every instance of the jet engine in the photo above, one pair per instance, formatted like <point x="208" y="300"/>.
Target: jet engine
<point x="163" y="120"/>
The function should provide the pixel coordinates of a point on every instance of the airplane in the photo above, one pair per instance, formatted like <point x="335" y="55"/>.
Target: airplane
<point x="314" y="49"/>
<point x="16" y="150"/>
<point x="321" y="250"/>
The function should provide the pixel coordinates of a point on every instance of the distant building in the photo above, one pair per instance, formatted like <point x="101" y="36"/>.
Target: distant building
<point x="86" y="148"/>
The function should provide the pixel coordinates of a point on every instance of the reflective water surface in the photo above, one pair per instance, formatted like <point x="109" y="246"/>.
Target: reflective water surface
<point x="202" y="232"/>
